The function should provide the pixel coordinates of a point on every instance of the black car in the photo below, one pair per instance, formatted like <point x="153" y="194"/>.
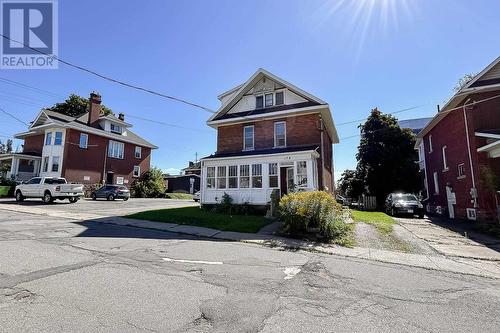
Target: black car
<point x="403" y="203"/>
<point x="111" y="192"/>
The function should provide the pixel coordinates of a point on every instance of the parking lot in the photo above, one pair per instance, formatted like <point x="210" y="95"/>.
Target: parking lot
<point x="87" y="208"/>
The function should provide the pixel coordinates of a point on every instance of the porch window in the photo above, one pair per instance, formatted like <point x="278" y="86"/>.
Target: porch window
<point x="257" y="175"/>
<point x="58" y="139"/>
<point x="48" y="138"/>
<point x="211" y="177"/>
<point x="248" y="137"/>
<point x="273" y="175"/>
<point x="259" y="102"/>
<point x="221" y="177"/>
<point x="233" y="176"/>
<point x="84" y="139"/>
<point x="55" y="164"/>
<point x="302" y="174"/>
<point x="280" y="134"/>
<point x="269" y="100"/>
<point x="244" y="176"/>
<point x="45" y="164"/>
<point x="280" y="98"/>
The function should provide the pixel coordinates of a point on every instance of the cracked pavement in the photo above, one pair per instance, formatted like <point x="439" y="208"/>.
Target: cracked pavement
<point x="60" y="275"/>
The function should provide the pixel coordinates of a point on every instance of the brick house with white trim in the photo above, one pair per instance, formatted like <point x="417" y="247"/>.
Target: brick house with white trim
<point x="270" y="135"/>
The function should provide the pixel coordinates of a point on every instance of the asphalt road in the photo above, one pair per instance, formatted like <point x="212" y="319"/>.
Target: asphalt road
<point x="58" y="275"/>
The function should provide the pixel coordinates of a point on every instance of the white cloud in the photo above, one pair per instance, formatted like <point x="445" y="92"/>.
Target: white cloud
<point x="172" y="171"/>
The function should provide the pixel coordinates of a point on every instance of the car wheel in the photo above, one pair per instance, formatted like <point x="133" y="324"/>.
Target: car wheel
<point x="111" y="197"/>
<point x="73" y="200"/>
<point x="19" y="196"/>
<point x="47" y="198"/>
<point x="125" y="199"/>
<point x="93" y="196"/>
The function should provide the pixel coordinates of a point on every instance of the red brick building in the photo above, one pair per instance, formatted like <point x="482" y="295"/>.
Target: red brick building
<point x="460" y="151"/>
<point x="89" y="149"/>
<point x="270" y="135"/>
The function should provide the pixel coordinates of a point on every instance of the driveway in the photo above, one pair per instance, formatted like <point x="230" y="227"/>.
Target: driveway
<point x="89" y="209"/>
<point x="453" y="238"/>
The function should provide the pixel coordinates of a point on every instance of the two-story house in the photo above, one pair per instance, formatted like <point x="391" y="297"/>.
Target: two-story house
<point x="459" y="151"/>
<point x="89" y="149"/>
<point x="270" y="135"/>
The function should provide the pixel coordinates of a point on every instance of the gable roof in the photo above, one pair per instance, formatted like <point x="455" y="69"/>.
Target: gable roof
<point x="239" y="91"/>
<point x="80" y="124"/>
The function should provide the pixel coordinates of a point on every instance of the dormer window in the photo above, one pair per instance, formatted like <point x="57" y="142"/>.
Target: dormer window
<point x="116" y="128"/>
<point x="259" y="102"/>
<point x="269" y="100"/>
<point x="280" y="98"/>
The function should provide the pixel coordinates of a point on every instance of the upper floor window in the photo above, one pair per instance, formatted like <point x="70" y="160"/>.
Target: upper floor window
<point x="138" y="152"/>
<point x="58" y="139"/>
<point x="115" y="149"/>
<point x="248" y="137"/>
<point x="48" y="138"/>
<point x="116" y="128"/>
<point x="280" y="97"/>
<point x="269" y="99"/>
<point x="259" y="102"/>
<point x="430" y="143"/>
<point x="445" y="163"/>
<point x="280" y="134"/>
<point x="84" y="139"/>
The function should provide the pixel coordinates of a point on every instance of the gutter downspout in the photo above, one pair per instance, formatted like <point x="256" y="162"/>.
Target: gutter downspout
<point x="470" y="157"/>
<point x="104" y="167"/>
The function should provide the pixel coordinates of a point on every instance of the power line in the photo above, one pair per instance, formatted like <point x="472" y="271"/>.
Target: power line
<point x="165" y="124"/>
<point x="125" y="84"/>
<point x="395" y="112"/>
<point x="14" y="117"/>
<point x="35" y="89"/>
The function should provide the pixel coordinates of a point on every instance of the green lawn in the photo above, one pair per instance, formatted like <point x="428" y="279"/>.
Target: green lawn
<point x="201" y="218"/>
<point x="178" y="196"/>
<point x="381" y="221"/>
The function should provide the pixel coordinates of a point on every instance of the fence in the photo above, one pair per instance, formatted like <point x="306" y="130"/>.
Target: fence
<point x="368" y="202"/>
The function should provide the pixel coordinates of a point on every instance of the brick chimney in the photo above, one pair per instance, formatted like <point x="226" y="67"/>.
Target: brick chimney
<point x="121" y="116"/>
<point x="94" y="108"/>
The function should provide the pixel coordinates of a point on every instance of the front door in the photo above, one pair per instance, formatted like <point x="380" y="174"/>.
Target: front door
<point x="109" y="178"/>
<point x="450" y="197"/>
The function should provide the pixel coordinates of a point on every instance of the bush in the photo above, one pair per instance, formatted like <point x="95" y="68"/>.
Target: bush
<point x="149" y="185"/>
<point x="302" y="210"/>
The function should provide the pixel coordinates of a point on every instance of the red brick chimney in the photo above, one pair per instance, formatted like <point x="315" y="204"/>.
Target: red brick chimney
<point x="94" y="108"/>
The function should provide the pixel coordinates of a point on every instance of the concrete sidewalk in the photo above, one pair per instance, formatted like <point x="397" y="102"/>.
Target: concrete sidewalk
<point x="471" y="266"/>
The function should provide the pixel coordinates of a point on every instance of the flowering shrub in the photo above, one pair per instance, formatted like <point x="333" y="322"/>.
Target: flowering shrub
<point x="302" y="210"/>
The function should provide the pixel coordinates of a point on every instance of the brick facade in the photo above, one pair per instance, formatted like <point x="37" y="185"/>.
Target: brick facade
<point x="451" y="132"/>
<point x="33" y="144"/>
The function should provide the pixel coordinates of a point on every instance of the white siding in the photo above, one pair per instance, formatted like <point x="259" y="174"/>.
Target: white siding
<point x="51" y="151"/>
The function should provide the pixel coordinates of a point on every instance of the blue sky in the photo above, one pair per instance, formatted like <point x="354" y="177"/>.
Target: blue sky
<point x="356" y="55"/>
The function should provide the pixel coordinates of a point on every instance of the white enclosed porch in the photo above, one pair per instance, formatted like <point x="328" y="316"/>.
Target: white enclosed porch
<point x="251" y="179"/>
<point x="19" y="166"/>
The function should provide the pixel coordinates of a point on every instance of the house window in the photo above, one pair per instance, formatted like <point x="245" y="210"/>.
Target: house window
<point x="280" y="134"/>
<point x="445" y="163"/>
<point x="244" y="176"/>
<point x="436" y="184"/>
<point x="55" y="164"/>
<point x="137" y="171"/>
<point x="257" y="175"/>
<point x="58" y="139"/>
<point x="210" y="177"/>
<point x="84" y="138"/>
<point x="259" y="102"/>
<point x="115" y="149"/>
<point x="461" y="170"/>
<point x="48" y="138"/>
<point x="116" y="129"/>
<point x="233" y="176"/>
<point x="302" y="174"/>
<point x="248" y="138"/>
<point x="138" y="152"/>
<point x="430" y="144"/>
<point x="221" y="177"/>
<point x="273" y="175"/>
<point x="269" y="100"/>
<point x="45" y="164"/>
<point x="280" y="98"/>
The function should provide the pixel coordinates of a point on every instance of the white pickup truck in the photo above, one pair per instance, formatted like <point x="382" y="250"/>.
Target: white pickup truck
<point x="49" y="189"/>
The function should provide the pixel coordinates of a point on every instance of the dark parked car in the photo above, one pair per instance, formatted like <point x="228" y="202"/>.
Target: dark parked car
<point x="403" y="203"/>
<point x="111" y="192"/>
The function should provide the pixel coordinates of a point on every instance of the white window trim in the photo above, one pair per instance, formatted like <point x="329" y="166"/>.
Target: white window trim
<point x="272" y="101"/>
<point x="48" y="135"/>
<point x="86" y="141"/>
<point x="276" y="123"/>
<point x="436" y="183"/>
<point x="138" y="171"/>
<point x="284" y="96"/>
<point x="58" y="164"/>
<point x="263" y="95"/>
<point x="461" y="176"/>
<point x="445" y="162"/>
<point x="140" y="152"/>
<point x="430" y="144"/>
<point x="253" y="137"/>
<point x="110" y="152"/>
<point x="62" y="138"/>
